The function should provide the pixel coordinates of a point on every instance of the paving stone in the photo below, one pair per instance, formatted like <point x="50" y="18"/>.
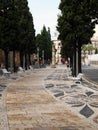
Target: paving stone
<point x="30" y="106"/>
<point x="49" y="85"/>
<point x="59" y="94"/>
<point x="87" y="111"/>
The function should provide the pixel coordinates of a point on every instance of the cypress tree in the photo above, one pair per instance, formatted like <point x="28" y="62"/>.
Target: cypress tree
<point x="43" y="41"/>
<point x="8" y="27"/>
<point x="76" y="25"/>
<point x="16" y="29"/>
<point x="26" y="35"/>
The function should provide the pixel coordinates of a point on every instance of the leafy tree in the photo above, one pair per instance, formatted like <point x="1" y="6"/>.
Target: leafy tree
<point x="43" y="41"/>
<point x="31" y="37"/>
<point x="16" y="29"/>
<point x="76" y="25"/>
<point x="8" y="27"/>
<point x="26" y="32"/>
<point x="88" y="48"/>
<point x="49" y="45"/>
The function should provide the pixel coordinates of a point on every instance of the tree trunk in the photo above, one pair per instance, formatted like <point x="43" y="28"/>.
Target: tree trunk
<point x="79" y="59"/>
<point x="14" y="65"/>
<point x="21" y="58"/>
<point x="29" y="58"/>
<point x="6" y="59"/>
<point x="26" y="61"/>
<point x="74" y="60"/>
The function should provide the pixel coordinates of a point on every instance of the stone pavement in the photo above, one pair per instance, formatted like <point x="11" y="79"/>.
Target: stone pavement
<point x="45" y="99"/>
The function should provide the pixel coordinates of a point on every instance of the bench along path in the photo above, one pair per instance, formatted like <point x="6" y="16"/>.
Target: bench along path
<point x="31" y="107"/>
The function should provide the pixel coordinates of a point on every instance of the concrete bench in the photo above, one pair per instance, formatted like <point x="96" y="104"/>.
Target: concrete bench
<point x="5" y="72"/>
<point x="21" y="69"/>
<point x="78" y="78"/>
<point x="31" y="68"/>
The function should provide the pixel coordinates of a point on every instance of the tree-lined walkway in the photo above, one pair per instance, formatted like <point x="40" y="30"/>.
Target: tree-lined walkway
<point x="31" y="103"/>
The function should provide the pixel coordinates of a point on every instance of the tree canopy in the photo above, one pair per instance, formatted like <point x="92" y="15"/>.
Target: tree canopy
<point x="77" y="19"/>
<point x="43" y="41"/>
<point x="76" y="23"/>
<point x="16" y="27"/>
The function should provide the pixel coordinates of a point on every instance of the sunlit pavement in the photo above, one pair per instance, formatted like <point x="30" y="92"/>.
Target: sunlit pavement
<point x="45" y="99"/>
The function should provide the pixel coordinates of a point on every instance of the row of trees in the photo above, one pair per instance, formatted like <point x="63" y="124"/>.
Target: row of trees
<point x="17" y="31"/>
<point x="76" y="25"/>
<point x="44" y="43"/>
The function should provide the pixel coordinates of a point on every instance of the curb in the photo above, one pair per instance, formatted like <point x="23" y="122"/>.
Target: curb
<point x="91" y="82"/>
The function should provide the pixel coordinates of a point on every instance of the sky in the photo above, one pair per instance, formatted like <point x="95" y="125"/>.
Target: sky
<point x="44" y="12"/>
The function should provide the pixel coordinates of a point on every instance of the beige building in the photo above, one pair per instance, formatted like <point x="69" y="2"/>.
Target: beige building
<point x="95" y="41"/>
<point x="58" y="45"/>
<point x="56" y="52"/>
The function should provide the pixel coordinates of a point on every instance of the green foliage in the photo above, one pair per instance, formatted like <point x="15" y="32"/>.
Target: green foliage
<point x="8" y="25"/>
<point x="43" y="41"/>
<point x="16" y="26"/>
<point x="26" y="27"/>
<point x="16" y="30"/>
<point x="75" y="20"/>
<point x="88" y="47"/>
<point x="96" y="51"/>
<point x="76" y="25"/>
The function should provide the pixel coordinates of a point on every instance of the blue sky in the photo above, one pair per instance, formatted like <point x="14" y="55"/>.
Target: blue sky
<point x="44" y="12"/>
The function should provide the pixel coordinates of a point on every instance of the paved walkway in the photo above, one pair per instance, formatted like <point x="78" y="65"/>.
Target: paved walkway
<point x="44" y="99"/>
